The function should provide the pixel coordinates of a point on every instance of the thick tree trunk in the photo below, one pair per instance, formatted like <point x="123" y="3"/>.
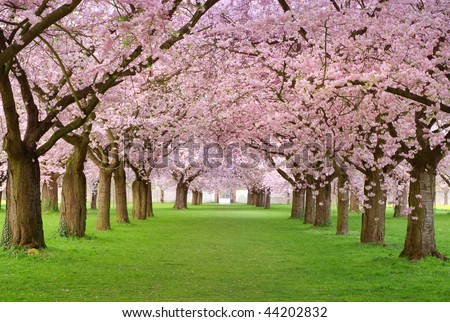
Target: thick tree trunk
<point x="354" y="203"/>
<point x="139" y="190"/>
<point x="120" y="185"/>
<point x="149" y="207"/>
<point x="23" y="223"/>
<point x="342" y="204"/>
<point x="267" y="200"/>
<point x="104" y="199"/>
<point x="200" y="198"/>
<point x="260" y="201"/>
<point x="161" y="199"/>
<point x="374" y="211"/>
<point x="73" y="197"/>
<point x="94" y="196"/>
<point x="420" y="240"/>
<point x="195" y="197"/>
<point x="50" y="194"/>
<point x="181" y="196"/>
<point x="323" y="207"/>
<point x="249" y="197"/>
<point x="298" y="204"/>
<point x="309" y="207"/>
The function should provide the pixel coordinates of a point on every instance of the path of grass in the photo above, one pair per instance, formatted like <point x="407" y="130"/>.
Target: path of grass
<point x="224" y="253"/>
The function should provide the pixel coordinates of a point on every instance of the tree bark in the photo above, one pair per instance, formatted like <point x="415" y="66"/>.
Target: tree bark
<point x="267" y="200"/>
<point x="73" y="197"/>
<point x="342" y="203"/>
<point x="195" y="197"/>
<point x="149" y="208"/>
<point x="260" y="199"/>
<point x="323" y="207"/>
<point x="420" y="241"/>
<point x="309" y="207"/>
<point x="161" y="199"/>
<point x="200" y="198"/>
<point x="298" y="204"/>
<point x="139" y="190"/>
<point x="445" y="198"/>
<point x="120" y="185"/>
<point x="373" y="214"/>
<point x="354" y="203"/>
<point x="1" y="195"/>
<point x="23" y="223"/>
<point x="50" y="193"/>
<point x="94" y="196"/>
<point x="233" y="196"/>
<point x="216" y="197"/>
<point x="181" y="196"/>
<point x="104" y="199"/>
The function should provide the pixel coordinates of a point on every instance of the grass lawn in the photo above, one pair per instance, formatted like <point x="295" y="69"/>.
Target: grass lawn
<point x="224" y="253"/>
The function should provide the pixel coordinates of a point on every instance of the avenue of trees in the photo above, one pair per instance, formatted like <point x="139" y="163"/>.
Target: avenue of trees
<point x="301" y="97"/>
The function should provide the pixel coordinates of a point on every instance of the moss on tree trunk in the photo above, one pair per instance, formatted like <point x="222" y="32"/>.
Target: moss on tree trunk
<point x="50" y="193"/>
<point x="23" y="223"/>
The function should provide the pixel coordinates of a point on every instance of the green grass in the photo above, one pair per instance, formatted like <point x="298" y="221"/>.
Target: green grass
<point x="224" y="253"/>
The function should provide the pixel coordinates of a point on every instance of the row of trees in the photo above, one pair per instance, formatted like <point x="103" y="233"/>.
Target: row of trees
<point x="312" y="91"/>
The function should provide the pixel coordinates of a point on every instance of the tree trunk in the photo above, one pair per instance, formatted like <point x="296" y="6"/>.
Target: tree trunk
<point x="120" y="185"/>
<point x="267" y="200"/>
<point x="233" y="196"/>
<point x="323" y="207"/>
<point x="181" y="196"/>
<point x="353" y="203"/>
<point x="373" y="214"/>
<point x="260" y="199"/>
<point x="23" y="222"/>
<point x="195" y="197"/>
<point x="1" y="195"/>
<point x="50" y="194"/>
<point x="420" y="240"/>
<point x="397" y="210"/>
<point x="149" y="207"/>
<point x="73" y="198"/>
<point x="200" y="198"/>
<point x="401" y="204"/>
<point x="161" y="199"/>
<point x="139" y="190"/>
<point x="445" y="198"/>
<point x="94" y="196"/>
<point x="298" y="204"/>
<point x="249" y="197"/>
<point x="216" y="197"/>
<point x="104" y="199"/>
<point x="309" y="207"/>
<point x="342" y="203"/>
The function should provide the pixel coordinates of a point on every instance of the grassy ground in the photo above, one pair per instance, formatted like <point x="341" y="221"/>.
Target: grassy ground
<point x="224" y="253"/>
